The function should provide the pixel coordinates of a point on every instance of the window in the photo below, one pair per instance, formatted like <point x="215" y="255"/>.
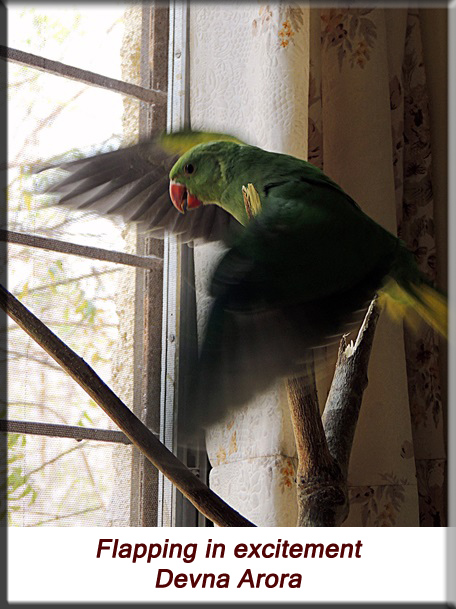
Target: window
<point x="103" y="83"/>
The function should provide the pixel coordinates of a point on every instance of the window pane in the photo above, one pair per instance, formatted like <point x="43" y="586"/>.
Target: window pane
<point x="76" y="298"/>
<point x="89" y="304"/>
<point x="51" y="117"/>
<point x="88" y="36"/>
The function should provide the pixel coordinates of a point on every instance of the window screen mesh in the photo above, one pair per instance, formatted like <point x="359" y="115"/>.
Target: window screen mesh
<point x="88" y="36"/>
<point x="89" y="304"/>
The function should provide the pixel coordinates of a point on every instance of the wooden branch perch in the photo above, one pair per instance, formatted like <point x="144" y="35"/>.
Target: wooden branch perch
<point x="343" y="404"/>
<point x="324" y="443"/>
<point x="321" y="488"/>
<point x="205" y="500"/>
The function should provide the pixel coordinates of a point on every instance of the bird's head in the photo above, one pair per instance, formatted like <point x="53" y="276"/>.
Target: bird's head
<point x="199" y="177"/>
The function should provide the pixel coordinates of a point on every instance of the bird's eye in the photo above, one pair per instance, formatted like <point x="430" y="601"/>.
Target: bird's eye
<point x="189" y="169"/>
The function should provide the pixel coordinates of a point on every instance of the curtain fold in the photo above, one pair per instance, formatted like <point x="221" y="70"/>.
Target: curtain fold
<point x="415" y="213"/>
<point x="344" y="88"/>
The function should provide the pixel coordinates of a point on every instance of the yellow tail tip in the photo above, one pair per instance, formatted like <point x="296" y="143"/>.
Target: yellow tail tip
<point x="421" y="301"/>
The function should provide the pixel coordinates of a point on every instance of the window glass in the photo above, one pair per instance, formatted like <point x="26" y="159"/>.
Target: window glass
<point x="50" y="118"/>
<point x="87" y="36"/>
<point x="89" y="304"/>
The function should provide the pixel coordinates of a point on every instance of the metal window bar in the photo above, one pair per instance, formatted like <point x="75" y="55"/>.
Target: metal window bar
<point x="177" y="118"/>
<point x="73" y="432"/>
<point x="50" y="66"/>
<point x="65" y="247"/>
<point x="180" y="345"/>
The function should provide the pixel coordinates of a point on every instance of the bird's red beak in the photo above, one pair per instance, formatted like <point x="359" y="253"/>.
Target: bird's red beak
<point x="179" y="196"/>
<point x="177" y="193"/>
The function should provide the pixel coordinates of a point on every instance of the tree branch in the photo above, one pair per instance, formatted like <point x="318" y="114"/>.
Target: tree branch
<point x="343" y="404"/>
<point x="321" y="488"/>
<point x="324" y="443"/>
<point x="205" y="500"/>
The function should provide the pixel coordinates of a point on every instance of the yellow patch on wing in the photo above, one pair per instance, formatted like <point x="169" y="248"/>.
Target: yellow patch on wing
<point x="252" y="200"/>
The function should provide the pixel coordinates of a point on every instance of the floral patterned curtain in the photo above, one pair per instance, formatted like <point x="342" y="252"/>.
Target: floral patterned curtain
<point x="352" y="39"/>
<point x="346" y="89"/>
<point x="413" y="175"/>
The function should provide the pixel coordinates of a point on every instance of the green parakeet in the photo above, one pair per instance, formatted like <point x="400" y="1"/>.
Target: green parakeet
<point x="303" y="263"/>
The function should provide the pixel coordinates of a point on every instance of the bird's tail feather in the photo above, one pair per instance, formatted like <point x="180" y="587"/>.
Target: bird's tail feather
<point x="412" y="302"/>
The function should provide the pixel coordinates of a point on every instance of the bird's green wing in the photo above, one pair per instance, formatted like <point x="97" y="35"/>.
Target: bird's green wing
<point x="133" y="183"/>
<point x="313" y="240"/>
